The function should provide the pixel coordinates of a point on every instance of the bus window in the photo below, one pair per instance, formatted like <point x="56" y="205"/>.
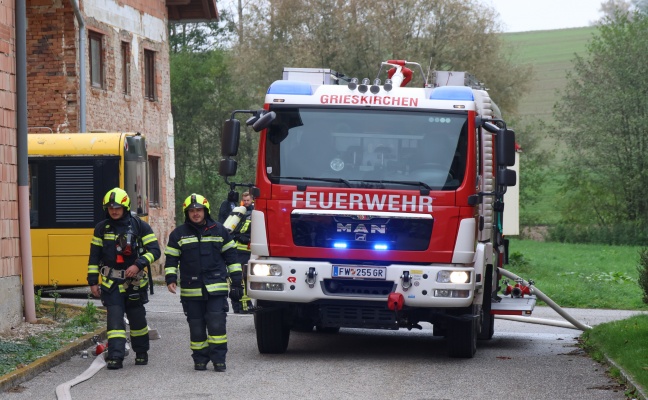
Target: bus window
<point x="33" y="195"/>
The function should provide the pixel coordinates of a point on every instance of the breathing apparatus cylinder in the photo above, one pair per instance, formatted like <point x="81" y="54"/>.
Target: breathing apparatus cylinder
<point x="234" y="218"/>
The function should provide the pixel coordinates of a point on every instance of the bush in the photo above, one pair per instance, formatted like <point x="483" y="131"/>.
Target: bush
<point x="629" y="234"/>
<point x="642" y="268"/>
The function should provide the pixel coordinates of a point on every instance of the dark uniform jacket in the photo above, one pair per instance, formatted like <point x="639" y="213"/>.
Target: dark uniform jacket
<point x="242" y="232"/>
<point x="205" y="256"/>
<point x="145" y="248"/>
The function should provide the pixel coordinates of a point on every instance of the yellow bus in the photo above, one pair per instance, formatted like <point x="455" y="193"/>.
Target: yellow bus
<point x="69" y="175"/>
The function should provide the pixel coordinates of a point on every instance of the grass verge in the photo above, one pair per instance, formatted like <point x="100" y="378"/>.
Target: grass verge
<point x="62" y="324"/>
<point x="624" y="342"/>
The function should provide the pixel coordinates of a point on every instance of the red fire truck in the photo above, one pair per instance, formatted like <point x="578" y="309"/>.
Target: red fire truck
<point x="378" y="205"/>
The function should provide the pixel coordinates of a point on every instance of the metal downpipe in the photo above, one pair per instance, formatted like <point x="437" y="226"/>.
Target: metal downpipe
<point x="82" y="68"/>
<point x="23" y="166"/>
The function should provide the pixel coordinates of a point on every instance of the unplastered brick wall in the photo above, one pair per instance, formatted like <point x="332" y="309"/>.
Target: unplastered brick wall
<point x="9" y="233"/>
<point x="51" y="67"/>
<point x="53" y="78"/>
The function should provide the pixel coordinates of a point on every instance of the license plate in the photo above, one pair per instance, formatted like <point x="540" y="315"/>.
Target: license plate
<point x="350" y="271"/>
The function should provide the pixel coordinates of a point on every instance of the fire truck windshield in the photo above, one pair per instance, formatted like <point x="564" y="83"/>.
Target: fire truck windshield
<point x="367" y="148"/>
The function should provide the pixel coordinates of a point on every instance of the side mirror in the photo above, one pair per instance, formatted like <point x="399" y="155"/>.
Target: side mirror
<point x="230" y="137"/>
<point x="264" y="121"/>
<point x="506" y="177"/>
<point x="505" y="148"/>
<point x="255" y="192"/>
<point x="227" y="167"/>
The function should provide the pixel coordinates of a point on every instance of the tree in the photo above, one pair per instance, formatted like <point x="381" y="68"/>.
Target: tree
<point x="603" y="115"/>
<point x="354" y="36"/>
<point x="204" y="91"/>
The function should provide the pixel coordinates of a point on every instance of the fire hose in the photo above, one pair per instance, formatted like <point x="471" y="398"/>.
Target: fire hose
<point x="573" y="323"/>
<point x="63" y="390"/>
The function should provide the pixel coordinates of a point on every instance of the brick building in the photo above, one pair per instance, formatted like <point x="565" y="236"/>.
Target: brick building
<point x="127" y="88"/>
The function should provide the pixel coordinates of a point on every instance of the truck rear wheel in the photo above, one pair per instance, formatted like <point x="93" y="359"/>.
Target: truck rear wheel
<point x="487" y="319"/>
<point x="462" y="338"/>
<point x="272" y="331"/>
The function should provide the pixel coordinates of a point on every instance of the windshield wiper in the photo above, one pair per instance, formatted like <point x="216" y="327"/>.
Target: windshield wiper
<point x="408" y="183"/>
<point x="308" y="178"/>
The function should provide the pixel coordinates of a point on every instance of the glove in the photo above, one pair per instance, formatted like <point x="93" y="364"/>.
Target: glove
<point x="236" y="291"/>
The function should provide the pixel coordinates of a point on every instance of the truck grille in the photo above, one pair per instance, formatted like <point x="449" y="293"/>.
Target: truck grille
<point x="364" y="288"/>
<point x="377" y="317"/>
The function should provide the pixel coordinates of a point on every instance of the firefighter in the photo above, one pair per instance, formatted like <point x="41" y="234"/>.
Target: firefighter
<point x="205" y="254"/>
<point x="241" y="235"/>
<point x="122" y="246"/>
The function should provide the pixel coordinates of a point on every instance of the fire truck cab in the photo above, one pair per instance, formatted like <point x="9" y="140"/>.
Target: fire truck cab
<point x="378" y="205"/>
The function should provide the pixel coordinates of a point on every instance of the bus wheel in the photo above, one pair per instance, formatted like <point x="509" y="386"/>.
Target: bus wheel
<point x="272" y="331"/>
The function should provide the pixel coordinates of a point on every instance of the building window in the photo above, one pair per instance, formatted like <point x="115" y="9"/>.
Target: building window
<point x="96" y="59"/>
<point x="126" y="57"/>
<point x="154" y="181"/>
<point x="149" y="75"/>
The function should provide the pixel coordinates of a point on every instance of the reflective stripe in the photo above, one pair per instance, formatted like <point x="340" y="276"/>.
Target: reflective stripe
<point x="242" y="247"/>
<point x="149" y="239"/>
<point x="97" y="241"/>
<point x="190" y="292"/>
<point x="170" y="251"/>
<point x="234" y="268"/>
<point x="217" y="339"/>
<point x="93" y="269"/>
<point x="106" y="282"/>
<point x="188" y="240"/>
<point x="149" y="257"/>
<point x="109" y="236"/>
<point x="216" y="287"/>
<point x="228" y="246"/>
<point x="122" y="289"/>
<point x="140" y="332"/>
<point x="116" y="334"/>
<point x="212" y="239"/>
<point x="199" y="345"/>
<point x="171" y="270"/>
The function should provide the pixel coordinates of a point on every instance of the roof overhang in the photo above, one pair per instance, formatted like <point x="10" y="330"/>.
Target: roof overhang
<point x="192" y="10"/>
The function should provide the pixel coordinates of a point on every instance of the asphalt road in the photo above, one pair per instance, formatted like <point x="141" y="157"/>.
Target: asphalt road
<point x="522" y="361"/>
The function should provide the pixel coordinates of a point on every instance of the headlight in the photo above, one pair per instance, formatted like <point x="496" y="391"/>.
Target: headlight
<point x="266" y="270"/>
<point x="453" y="277"/>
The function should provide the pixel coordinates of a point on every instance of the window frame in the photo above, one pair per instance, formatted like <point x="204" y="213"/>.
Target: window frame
<point x="98" y="52"/>
<point x="126" y="64"/>
<point x="150" y="89"/>
<point x="154" y="163"/>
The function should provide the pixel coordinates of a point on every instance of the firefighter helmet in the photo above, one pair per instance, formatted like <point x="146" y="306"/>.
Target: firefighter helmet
<point x="195" y="201"/>
<point x="116" y="197"/>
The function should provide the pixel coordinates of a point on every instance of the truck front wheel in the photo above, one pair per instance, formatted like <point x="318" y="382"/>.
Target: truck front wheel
<point x="272" y="331"/>
<point x="462" y="337"/>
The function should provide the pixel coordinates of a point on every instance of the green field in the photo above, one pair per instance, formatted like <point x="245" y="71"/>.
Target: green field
<point x="551" y="54"/>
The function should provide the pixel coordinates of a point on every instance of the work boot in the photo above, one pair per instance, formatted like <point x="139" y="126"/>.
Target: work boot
<point x="220" y="367"/>
<point x="237" y="307"/>
<point x="141" y="358"/>
<point x="115" y="363"/>
<point x="200" y="367"/>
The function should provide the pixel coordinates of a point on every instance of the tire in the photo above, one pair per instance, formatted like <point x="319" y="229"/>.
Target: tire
<point x="487" y="320"/>
<point x="272" y="332"/>
<point x="327" y="329"/>
<point x="462" y="338"/>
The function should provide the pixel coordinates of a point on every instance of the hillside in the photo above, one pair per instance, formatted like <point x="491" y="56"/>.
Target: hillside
<point x="551" y="53"/>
